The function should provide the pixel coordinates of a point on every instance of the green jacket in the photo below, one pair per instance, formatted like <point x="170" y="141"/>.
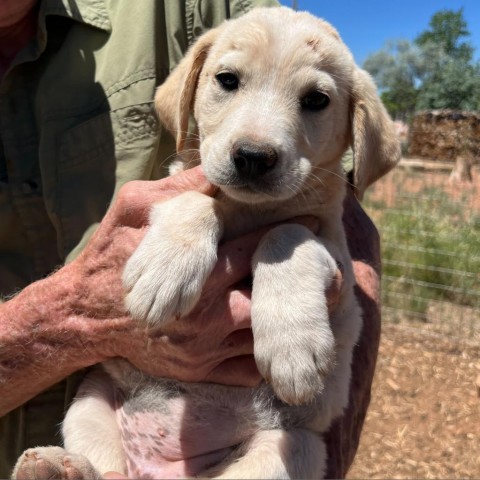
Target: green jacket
<point x="76" y="123"/>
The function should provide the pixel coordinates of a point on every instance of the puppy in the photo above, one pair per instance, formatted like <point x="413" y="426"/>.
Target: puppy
<point x="277" y="99"/>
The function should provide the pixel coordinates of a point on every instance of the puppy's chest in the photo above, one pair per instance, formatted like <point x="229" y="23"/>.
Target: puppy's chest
<point x="240" y="218"/>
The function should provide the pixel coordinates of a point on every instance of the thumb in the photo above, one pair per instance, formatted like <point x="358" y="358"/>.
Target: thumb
<point x="135" y="199"/>
<point x="191" y="179"/>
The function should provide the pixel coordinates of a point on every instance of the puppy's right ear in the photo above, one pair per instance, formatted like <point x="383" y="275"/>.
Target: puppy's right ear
<point x="175" y="98"/>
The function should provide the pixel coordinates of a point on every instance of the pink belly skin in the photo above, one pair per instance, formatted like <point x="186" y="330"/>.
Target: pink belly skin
<point x="179" y="441"/>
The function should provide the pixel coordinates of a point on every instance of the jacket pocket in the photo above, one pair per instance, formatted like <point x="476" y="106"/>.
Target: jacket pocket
<point x="94" y="158"/>
<point x="86" y="165"/>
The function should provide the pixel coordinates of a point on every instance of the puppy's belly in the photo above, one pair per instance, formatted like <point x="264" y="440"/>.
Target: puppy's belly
<point x="177" y="435"/>
<point x="171" y="429"/>
<point x="163" y="445"/>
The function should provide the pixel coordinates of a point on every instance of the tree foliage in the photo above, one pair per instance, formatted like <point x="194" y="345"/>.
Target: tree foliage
<point x="446" y="29"/>
<point x="396" y="69"/>
<point x="435" y="71"/>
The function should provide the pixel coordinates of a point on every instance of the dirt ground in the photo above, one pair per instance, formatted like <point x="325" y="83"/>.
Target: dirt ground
<point x="413" y="182"/>
<point x="424" y="417"/>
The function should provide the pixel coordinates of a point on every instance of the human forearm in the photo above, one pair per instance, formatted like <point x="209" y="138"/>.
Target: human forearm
<point x="43" y="339"/>
<point x="76" y="317"/>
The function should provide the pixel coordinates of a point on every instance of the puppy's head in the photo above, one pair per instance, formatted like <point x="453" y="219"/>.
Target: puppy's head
<point x="277" y="99"/>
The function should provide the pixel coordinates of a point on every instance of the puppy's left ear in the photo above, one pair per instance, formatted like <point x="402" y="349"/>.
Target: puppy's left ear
<point x="174" y="99"/>
<point x="376" y="146"/>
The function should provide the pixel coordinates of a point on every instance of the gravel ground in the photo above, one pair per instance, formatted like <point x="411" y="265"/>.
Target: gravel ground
<point x="424" y="417"/>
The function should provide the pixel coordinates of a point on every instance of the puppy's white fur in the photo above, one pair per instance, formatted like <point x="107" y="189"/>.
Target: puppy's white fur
<point x="279" y="57"/>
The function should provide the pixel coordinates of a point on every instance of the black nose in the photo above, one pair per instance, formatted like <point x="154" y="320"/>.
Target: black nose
<point x="253" y="160"/>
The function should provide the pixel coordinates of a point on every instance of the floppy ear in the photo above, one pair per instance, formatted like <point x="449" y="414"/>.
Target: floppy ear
<point x="376" y="146"/>
<point x="175" y="98"/>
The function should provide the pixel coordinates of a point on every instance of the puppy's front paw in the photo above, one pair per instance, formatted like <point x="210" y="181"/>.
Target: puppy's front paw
<point x="164" y="281"/>
<point x="165" y="275"/>
<point x="294" y="344"/>
<point x="296" y="363"/>
<point x="53" y="463"/>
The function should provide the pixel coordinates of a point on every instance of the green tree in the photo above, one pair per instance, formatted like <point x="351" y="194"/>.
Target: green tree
<point x="451" y="79"/>
<point x="396" y="69"/>
<point x="447" y="27"/>
<point x="453" y="85"/>
<point x="437" y="71"/>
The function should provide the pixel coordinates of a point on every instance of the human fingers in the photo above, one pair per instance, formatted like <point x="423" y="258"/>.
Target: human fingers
<point x="241" y="370"/>
<point x="135" y="199"/>
<point x="239" y="310"/>
<point x="237" y="343"/>
<point x="213" y="334"/>
<point x="237" y="371"/>
<point x="191" y="179"/>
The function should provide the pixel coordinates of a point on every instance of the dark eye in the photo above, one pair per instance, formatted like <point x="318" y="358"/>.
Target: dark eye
<point x="229" y="81"/>
<point x="315" y="101"/>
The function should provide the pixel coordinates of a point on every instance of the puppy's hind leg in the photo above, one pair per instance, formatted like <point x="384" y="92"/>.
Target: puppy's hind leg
<point x="90" y="427"/>
<point x="276" y="454"/>
<point x="91" y="436"/>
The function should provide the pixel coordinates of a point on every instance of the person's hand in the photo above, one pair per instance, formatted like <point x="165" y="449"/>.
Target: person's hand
<point x="193" y="347"/>
<point x="76" y="318"/>
<point x="214" y="342"/>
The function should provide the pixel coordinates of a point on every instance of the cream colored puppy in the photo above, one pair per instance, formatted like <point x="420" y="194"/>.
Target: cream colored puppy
<point x="277" y="99"/>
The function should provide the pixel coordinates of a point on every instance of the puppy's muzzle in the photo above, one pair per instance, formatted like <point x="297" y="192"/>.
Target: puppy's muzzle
<point x="253" y="160"/>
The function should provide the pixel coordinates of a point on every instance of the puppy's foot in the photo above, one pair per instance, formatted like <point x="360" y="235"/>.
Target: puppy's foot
<point x="53" y="463"/>
<point x="163" y="285"/>
<point x="165" y="275"/>
<point x="296" y="365"/>
<point x="294" y="343"/>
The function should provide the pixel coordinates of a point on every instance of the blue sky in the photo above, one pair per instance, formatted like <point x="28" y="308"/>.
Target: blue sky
<point x="365" y="25"/>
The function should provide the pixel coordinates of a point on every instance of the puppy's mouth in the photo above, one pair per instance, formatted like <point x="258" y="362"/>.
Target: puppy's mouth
<point x="247" y="192"/>
<point x="255" y="191"/>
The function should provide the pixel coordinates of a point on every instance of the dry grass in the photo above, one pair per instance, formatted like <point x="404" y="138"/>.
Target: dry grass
<point x="424" y="418"/>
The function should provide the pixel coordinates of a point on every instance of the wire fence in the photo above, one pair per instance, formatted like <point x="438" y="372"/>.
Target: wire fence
<point x="430" y="229"/>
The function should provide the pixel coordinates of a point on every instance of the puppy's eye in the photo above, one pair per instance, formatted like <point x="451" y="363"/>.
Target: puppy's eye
<point x="229" y="81"/>
<point x="315" y="101"/>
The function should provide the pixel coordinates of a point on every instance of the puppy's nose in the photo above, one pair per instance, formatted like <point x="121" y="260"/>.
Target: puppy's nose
<point x="253" y="160"/>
